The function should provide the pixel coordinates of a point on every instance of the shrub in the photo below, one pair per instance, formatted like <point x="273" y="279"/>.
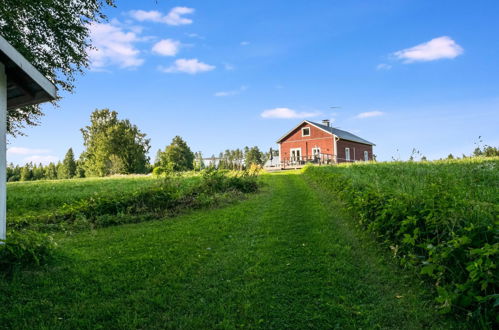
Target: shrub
<point x="25" y="247"/>
<point x="171" y="194"/>
<point x="438" y="218"/>
<point x="158" y="171"/>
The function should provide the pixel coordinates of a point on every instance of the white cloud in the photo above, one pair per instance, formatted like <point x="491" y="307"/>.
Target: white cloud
<point x="435" y="49"/>
<point x="166" y="47"/>
<point x="26" y="151"/>
<point x="174" y="17"/>
<point x="245" y="43"/>
<point x="36" y="159"/>
<point x="113" y="46"/>
<point x="191" y="66"/>
<point x="287" y="113"/>
<point x="142" y="15"/>
<point x="232" y="92"/>
<point x="383" y="66"/>
<point x="369" y="114"/>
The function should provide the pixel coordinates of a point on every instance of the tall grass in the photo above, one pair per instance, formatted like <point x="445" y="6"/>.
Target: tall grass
<point x="440" y="218"/>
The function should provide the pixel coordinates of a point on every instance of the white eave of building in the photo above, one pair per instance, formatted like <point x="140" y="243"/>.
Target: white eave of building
<point x="25" y="84"/>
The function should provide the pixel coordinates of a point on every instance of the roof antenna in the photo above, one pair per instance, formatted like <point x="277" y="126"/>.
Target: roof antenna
<point x="334" y="107"/>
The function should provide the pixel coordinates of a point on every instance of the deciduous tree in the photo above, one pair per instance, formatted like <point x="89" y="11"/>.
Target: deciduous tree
<point x="113" y="146"/>
<point x="178" y="156"/>
<point x="54" y="36"/>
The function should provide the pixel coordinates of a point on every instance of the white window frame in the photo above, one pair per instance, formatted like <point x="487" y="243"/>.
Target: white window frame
<point x="314" y="149"/>
<point x="347" y="154"/>
<point x="366" y="155"/>
<point x="303" y="131"/>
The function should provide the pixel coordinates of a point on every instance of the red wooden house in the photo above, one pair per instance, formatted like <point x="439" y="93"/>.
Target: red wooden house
<point x="321" y="143"/>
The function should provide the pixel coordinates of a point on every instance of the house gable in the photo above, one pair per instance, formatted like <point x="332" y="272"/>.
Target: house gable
<point x="296" y="133"/>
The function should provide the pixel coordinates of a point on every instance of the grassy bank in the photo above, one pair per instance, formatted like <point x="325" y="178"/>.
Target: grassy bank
<point x="43" y="197"/>
<point x="77" y="205"/>
<point x="439" y="218"/>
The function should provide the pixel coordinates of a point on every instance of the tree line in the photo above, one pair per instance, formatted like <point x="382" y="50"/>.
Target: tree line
<point x="116" y="146"/>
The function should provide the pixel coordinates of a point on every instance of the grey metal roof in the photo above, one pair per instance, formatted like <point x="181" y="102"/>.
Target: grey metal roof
<point x="344" y="135"/>
<point x="25" y="84"/>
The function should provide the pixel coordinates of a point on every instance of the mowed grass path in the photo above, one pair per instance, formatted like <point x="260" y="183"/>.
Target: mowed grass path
<point x="285" y="258"/>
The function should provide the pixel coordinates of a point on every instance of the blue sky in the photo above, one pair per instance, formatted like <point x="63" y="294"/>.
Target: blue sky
<point x="225" y="74"/>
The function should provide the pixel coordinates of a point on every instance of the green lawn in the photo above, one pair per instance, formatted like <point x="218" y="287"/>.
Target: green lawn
<point x="40" y="197"/>
<point x="287" y="257"/>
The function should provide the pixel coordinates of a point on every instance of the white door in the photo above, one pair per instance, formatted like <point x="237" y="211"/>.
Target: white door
<point x="316" y="153"/>
<point x="295" y="154"/>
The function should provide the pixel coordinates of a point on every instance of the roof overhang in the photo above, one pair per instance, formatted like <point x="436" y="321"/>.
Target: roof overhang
<point x="25" y="84"/>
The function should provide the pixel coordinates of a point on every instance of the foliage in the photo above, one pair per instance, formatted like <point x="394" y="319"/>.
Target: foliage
<point x="158" y="171"/>
<point x="231" y="159"/>
<point x="25" y="247"/>
<point x="54" y="36"/>
<point x="113" y="146"/>
<point x="440" y="218"/>
<point x="198" y="161"/>
<point x="33" y="172"/>
<point x="486" y="151"/>
<point x="177" y="156"/>
<point x="254" y="156"/>
<point x="68" y="165"/>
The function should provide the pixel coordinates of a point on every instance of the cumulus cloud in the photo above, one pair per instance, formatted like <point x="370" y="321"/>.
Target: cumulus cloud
<point x="26" y="151"/>
<point x="435" y="49"/>
<point x="191" y="66"/>
<point x="113" y="46"/>
<point x="166" y="47"/>
<point x="143" y="15"/>
<point x="369" y="114"/>
<point x="287" y="113"/>
<point x="232" y="92"/>
<point x="174" y="17"/>
<point x="383" y="66"/>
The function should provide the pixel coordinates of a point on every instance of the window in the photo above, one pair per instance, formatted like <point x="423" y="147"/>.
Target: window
<point x="347" y="154"/>
<point x="305" y="131"/>
<point x="366" y="156"/>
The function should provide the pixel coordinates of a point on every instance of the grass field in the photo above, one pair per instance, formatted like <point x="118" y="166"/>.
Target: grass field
<point x="288" y="257"/>
<point x="41" y="197"/>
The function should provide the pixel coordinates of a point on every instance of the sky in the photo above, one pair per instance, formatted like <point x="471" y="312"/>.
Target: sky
<point x="403" y="74"/>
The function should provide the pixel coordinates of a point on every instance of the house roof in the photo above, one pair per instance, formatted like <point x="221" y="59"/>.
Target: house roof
<point x="25" y="84"/>
<point x="344" y="135"/>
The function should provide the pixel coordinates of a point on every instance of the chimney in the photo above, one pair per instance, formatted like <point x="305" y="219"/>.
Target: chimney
<point x="326" y="122"/>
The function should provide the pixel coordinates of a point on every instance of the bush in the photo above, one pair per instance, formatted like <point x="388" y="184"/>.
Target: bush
<point x="172" y="194"/>
<point x="25" y="247"/>
<point x="158" y="171"/>
<point x="439" y="218"/>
